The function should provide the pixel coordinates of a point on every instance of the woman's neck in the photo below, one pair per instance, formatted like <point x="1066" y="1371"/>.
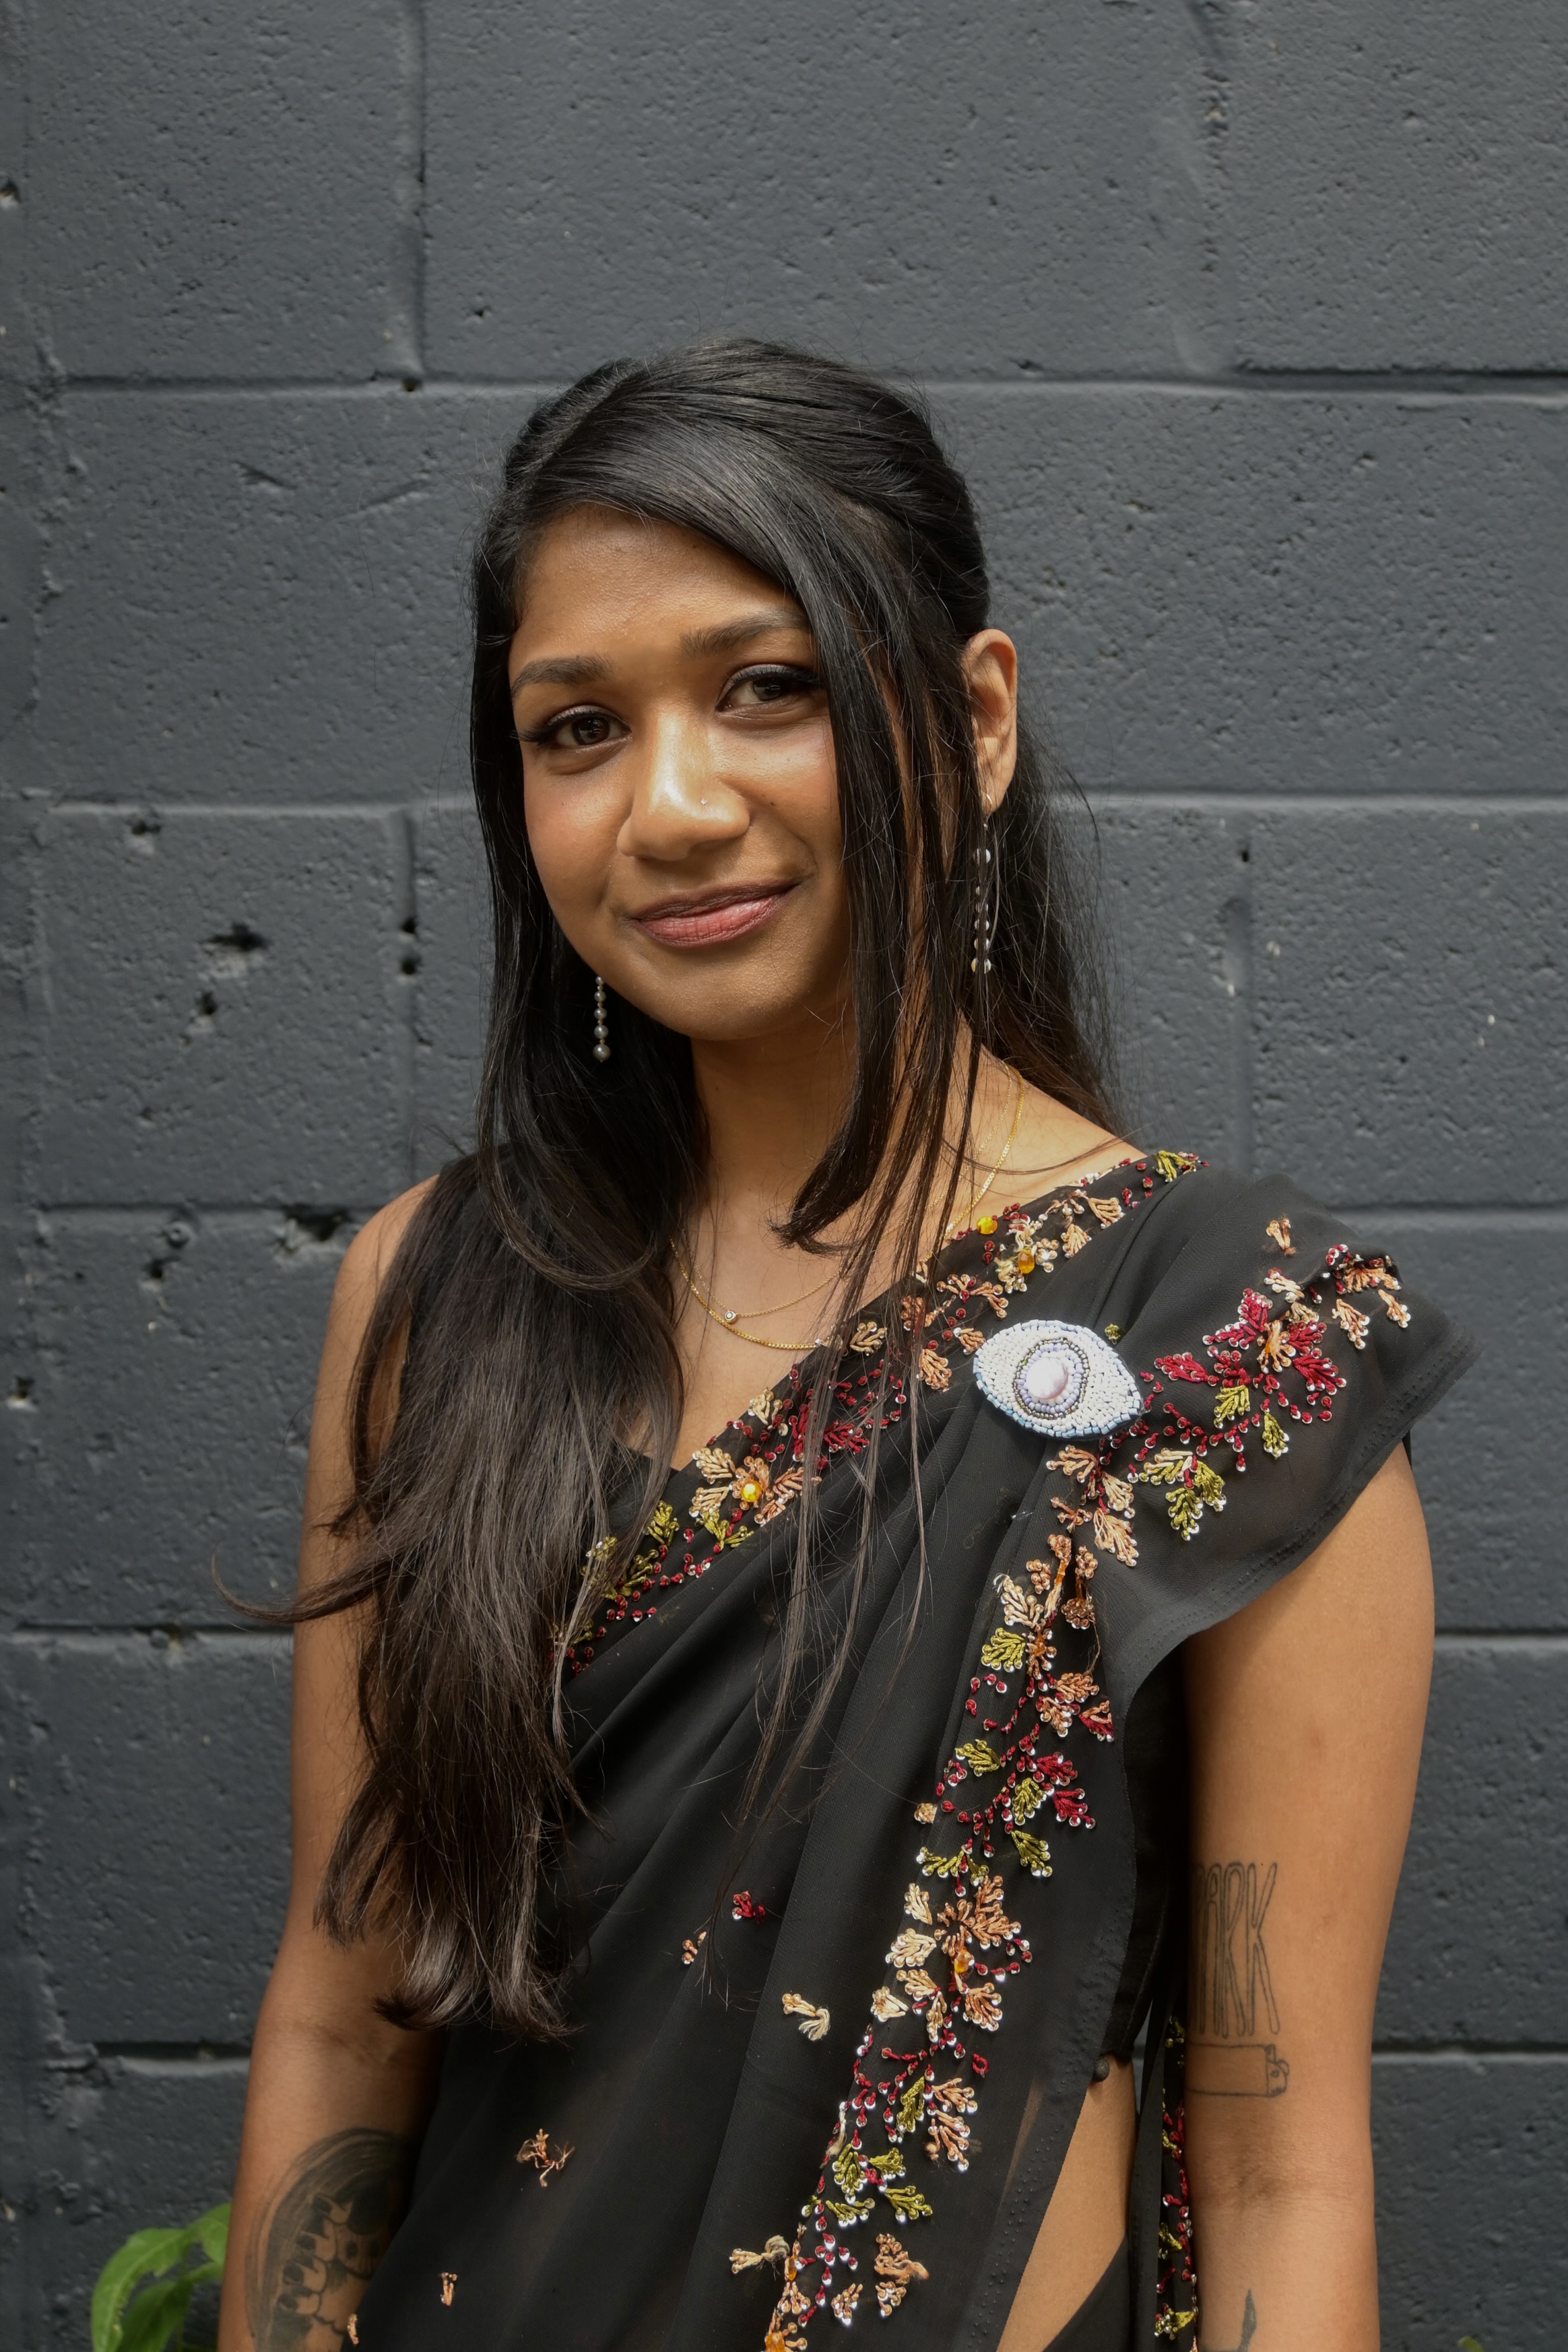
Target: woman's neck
<point x="771" y="1107"/>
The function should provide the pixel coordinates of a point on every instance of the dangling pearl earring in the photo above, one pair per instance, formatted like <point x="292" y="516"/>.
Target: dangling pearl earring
<point x="601" y="1023"/>
<point x="980" y="961"/>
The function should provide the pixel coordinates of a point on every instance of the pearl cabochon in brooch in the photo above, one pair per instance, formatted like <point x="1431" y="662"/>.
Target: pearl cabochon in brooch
<point x="1058" y="1379"/>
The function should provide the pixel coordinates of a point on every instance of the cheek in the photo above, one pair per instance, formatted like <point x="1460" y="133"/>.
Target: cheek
<point x="572" y="839"/>
<point x="800" y="787"/>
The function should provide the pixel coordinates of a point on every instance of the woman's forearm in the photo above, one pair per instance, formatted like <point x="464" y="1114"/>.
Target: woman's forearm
<point x="1287" y="2270"/>
<point x="332" y="2125"/>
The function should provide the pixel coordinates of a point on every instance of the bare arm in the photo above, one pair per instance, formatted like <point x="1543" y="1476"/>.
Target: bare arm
<point x="1306" y="1719"/>
<point x="338" y="2098"/>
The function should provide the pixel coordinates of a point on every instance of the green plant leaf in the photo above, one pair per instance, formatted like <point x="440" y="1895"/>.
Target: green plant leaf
<point x="210" y="2230"/>
<point x="147" y="2255"/>
<point x="1468" y="2344"/>
<point x="158" y="2312"/>
<point x="143" y="2255"/>
<point x="155" y="2315"/>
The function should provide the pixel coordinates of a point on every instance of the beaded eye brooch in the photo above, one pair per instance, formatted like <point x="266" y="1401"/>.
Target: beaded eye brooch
<point x="1058" y="1379"/>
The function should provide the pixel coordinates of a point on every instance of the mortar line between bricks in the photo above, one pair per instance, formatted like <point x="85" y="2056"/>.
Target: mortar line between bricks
<point x="209" y="2058"/>
<point x="1217" y="802"/>
<point x="419" y="246"/>
<point x="1459" y="1217"/>
<point x="1224" y="801"/>
<point x="248" y="1210"/>
<point x="152" y="2060"/>
<point x="1455" y="2053"/>
<point x="102" y="1640"/>
<point x="1501" y="1637"/>
<point x="1275" y="383"/>
<point x="1439" y="1217"/>
<point x="1440" y="386"/>
<point x="152" y="2064"/>
<point x="33" y="1634"/>
<point x="168" y="2053"/>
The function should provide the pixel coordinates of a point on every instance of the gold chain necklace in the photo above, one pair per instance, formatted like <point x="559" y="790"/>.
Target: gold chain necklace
<point x="727" y="1318"/>
<point x="962" y="1224"/>
<point x="732" y="1314"/>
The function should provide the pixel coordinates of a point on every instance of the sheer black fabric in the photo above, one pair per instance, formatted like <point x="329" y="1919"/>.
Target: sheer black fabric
<point x="849" y="2091"/>
<point x="1103" y="2321"/>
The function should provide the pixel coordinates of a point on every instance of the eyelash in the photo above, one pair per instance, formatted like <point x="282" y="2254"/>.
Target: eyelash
<point x="553" y="726"/>
<point x="807" y="682"/>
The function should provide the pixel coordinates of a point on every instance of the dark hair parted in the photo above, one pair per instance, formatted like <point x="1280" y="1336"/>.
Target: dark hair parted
<point x="532" y="1292"/>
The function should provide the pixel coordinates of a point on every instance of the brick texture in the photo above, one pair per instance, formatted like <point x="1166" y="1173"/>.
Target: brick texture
<point x="1248" y="324"/>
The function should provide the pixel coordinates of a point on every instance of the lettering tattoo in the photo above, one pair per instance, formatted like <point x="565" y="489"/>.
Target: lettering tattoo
<point x="1248" y="2325"/>
<point x="1232" y="1990"/>
<point x="313" y="2250"/>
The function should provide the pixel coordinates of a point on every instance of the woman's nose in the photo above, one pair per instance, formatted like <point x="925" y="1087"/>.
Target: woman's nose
<point x="680" y="803"/>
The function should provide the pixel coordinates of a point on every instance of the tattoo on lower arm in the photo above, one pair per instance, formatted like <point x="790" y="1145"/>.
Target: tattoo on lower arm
<point x="313" y="2249"/>
<point x="1248" y="2327"/>
<point x="1233" y="2005"/>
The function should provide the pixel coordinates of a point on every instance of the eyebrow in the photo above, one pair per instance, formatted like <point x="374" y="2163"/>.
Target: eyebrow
<point x="566" y="669"/>
<point x="585" y="669"/>
<point x="739" y="633"/>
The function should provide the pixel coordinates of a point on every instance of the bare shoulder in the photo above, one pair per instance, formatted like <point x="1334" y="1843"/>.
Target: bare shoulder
<point x="363" y="1270"/>
<point x="1266" y="1686"/>
<point x="371" y="1251"/>
<point x="1054" y="1141"/>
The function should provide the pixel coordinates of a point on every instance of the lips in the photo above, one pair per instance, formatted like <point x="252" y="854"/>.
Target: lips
<point x="715" y="916"/>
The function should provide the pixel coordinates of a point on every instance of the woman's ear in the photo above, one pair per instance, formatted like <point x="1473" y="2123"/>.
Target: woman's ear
<point x="991" y="666"/>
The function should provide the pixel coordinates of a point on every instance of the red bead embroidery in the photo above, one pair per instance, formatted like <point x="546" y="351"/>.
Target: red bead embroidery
<point x="1177" y="2281"/>
<point x="755" y="1469"/>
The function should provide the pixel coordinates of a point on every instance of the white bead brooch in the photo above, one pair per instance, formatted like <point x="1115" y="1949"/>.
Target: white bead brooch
<point x="1059" y="1379"/>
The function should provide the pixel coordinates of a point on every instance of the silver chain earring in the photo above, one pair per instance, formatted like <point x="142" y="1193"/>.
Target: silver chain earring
<point x="980" y="961"/>
<point x="601" y="1023"/>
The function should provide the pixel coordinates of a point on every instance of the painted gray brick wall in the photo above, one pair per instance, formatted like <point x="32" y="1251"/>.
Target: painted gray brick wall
<point x="1250" y="321"/>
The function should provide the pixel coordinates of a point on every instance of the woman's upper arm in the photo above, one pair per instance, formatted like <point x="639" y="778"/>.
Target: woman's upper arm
<point x="327" y="1751"/>
<point x="1306" y="1712"/>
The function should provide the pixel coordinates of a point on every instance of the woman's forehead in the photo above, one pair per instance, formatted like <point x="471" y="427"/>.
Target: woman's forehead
<point x="597" y="564"/>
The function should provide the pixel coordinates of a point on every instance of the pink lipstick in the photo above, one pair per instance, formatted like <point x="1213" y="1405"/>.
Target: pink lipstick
<point x="714" y="917"/>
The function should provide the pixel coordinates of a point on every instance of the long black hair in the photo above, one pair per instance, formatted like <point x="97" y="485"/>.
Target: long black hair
<point x="528" y="1321"/>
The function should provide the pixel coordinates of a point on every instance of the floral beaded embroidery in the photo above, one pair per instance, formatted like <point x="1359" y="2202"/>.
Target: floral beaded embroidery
<point x="544" y="2156"/>
<point x="1176" y="2280"/>
<point x="917" y="2086"/>
<point x="1267" y="1368"/>
<point x="750" y="1476"/>
<point x="950" y="1966"/>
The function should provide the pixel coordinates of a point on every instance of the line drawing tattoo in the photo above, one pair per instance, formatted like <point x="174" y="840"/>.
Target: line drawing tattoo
<point x="1233" y="2004"/>
<point x="1236" y="2070"/>
<point x="315" y="2246"/>
<point x="1230" y="1963"/>
<point x="1248" y="2325"/>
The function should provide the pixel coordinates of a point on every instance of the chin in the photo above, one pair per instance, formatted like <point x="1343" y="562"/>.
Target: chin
<point x="730" y="1015"/>
<point x="739" y="997"/>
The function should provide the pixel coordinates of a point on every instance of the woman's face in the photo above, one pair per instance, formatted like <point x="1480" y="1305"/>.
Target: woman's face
<point x="679" y="777"/>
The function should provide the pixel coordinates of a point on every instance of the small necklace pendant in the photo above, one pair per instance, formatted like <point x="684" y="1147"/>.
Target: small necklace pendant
<point x="731" y="1315"/>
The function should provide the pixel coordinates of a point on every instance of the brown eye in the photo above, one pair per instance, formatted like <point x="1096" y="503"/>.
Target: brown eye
<point x="571" y="730"/>
<point x="769" y="685"/>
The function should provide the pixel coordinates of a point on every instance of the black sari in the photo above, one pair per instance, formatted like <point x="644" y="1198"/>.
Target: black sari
<point x="848" y="2093"/>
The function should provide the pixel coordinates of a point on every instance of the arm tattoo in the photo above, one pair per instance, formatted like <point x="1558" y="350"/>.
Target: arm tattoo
<point x="1233" y="2005"/>
<point x="313" y="2249"/>
<point x="1249" y="2323"/>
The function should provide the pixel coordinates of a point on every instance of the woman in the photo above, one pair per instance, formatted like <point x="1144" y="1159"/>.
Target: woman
<point x="727" y="1897"/>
